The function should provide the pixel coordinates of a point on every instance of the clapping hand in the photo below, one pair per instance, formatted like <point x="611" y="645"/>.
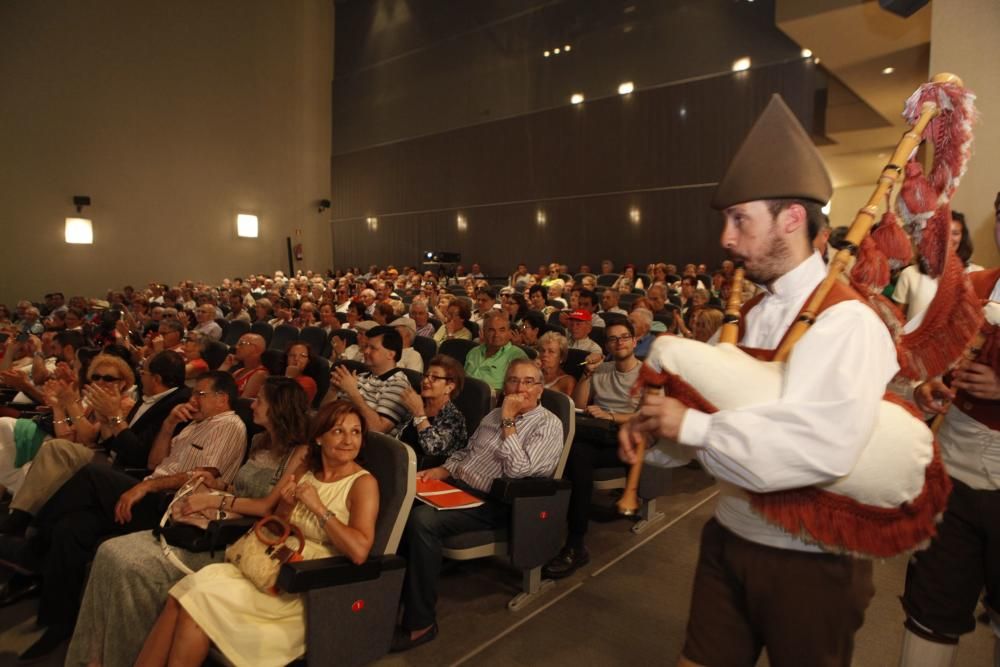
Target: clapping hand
<point x="107" y="402"/>
<point x="344" y="380"/>
<point x="413" y="402"/>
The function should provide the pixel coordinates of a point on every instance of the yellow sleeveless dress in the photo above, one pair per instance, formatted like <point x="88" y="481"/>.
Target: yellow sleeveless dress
<point x="250" y="627"/>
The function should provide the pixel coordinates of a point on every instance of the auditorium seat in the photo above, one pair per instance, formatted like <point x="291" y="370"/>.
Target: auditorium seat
<point x="457" y="349"/>
<point x="234" y="331"/>
<point x="351" y="609"/>
<point x="284" y="336"/>
<point x="425" y="347"/>
<point x="315" y="338"/>
<point x="264" y="330"/>
<point x="607" y="279"/>
<point x="538" y="517"/>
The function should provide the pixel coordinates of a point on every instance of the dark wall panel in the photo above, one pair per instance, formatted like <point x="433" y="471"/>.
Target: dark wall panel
<point x="586" y="166"/>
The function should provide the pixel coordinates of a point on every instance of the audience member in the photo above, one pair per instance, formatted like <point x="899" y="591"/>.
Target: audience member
<point x="410" y="358"/>
<point x="488" y="362"/>
<point x="518" y="439"/>
<point x="457" y="314"/>
<point x="99" y="501"/>
<point x="377" y="394"/>
<point x="552" y="350"/>
<point x="334" y="503"/>
<point x="245" y="364"/>
<point x="435" y="428"/>
<point x="131" y="576"/>
<point x="207" y="326"/>
<point x="580" y="326"/>
<point x="604" y="393"/>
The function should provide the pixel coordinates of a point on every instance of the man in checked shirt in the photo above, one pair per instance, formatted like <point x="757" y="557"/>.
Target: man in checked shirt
<point x="100" y="501"/>
<point x="518" y="439"/>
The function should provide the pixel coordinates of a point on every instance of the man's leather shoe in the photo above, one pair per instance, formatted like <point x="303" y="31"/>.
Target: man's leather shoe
<point x="401" y="639"/>
<point x="53" y="638"/>
<point x="17" y="588"/>
<point x="569" y="560"/>
<point x="15" y="522"/>
<point x="15" y="554"/>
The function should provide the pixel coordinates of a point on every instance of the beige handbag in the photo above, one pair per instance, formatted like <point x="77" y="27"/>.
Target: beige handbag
<point x="260" y="553"/>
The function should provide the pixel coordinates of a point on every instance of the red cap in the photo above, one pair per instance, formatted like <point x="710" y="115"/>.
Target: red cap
<point x="584" y="315"/>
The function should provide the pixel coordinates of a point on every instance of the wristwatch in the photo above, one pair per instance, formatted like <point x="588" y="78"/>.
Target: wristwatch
<point x="417" y="421"/>
<point x="116" y="420"/>
<point x="507" y="423"/>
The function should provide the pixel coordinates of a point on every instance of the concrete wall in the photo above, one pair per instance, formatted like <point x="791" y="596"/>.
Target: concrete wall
<point x="964" y="42"/>
<point x="172" y="116"/>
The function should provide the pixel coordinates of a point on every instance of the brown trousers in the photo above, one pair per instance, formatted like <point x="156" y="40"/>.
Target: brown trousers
<point x="803" y="607"/>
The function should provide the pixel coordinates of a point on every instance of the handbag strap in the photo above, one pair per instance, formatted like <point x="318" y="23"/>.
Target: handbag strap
<point x="258" y="529"/>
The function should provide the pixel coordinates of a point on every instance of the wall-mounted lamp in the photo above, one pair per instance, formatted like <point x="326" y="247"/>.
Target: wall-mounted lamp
<point x="323" y="205"/>
<point x="372" y="223"/>
<point x="247" y="225"/>
<point x="461" y="222"/>
<point x="79" y="230"/>
<point x="540" y="218"/>
<point x="634" y="215"/>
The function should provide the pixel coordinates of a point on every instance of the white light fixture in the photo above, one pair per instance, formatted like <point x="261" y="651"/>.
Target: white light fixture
<point x="372" y="223"/>
<point x="625" y="88"/>
<point x="682" y="112"/>
<point x="741" y="64"/>
<point x="888" y="70"/>
<point x="79" y="231"/>
<point x="461" y="223"/>
<point x="246" y="225"/>
<point x="567" y="48"/>
<point x="576" y="98"/>
<point x="807" y="53"/>
<point x="634" y="215"/>
<point x="546" y="53"/>
<point x="816" y="61"/>
<point x="540" y="217"/>
<point x="556" y="50"/>
<point x="826" y="209"/>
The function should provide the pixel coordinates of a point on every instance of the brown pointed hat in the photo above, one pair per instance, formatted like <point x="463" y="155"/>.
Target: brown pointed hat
<point x="776" y="161"/>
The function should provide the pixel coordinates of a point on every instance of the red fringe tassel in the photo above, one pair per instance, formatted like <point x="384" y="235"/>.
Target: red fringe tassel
<point x="871" y="270"/>
<point x="890" y="238"/>
<point x="950" y="323"/>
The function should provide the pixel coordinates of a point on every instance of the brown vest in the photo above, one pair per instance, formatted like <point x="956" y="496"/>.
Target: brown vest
<point x="984" y="411"/>
<point x="838" y="293"/>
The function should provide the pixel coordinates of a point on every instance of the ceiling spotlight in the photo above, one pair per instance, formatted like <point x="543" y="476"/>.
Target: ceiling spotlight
<point x="576" y="98"/>
<point x="556" y="50"/>
<point x="741" y="64"/>
<point x="888" y="70"/>
<point x="567" y="48"/>
<point x="625" y="88"/>
<point x="546" y="53"/>
<point x="806" y="53"/>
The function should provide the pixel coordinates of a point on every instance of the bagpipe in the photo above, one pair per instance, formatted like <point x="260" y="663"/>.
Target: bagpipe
<point x="891" y="500"/>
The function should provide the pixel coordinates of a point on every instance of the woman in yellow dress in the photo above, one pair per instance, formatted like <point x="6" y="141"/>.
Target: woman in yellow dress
<point x="333" y="501"/>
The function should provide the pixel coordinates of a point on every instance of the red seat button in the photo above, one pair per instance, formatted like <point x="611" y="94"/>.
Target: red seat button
<point x="358" y="605"/>
<point x="543" y="515"/>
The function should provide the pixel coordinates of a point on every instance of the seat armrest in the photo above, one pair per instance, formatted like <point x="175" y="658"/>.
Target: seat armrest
<point x="506" y="489"/>
<point x="336" y="571"/>
<point x="224" y="532"/>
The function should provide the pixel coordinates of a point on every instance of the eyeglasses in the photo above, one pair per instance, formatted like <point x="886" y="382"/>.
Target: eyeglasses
<point x="526" y="382"/>
<point x="436" y="378"/>
<point x="245" y="342"/>
<point x="203" y="394"/>
<point x="104" y="378"/>
<point x="619" y="339"/>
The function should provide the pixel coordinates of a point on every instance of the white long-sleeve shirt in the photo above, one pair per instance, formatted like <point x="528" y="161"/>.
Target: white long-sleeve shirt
<point x="816" y="430"/>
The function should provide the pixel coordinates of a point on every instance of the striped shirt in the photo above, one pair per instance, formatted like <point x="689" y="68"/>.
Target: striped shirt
<point x="384" y="393"/>
<point x="217" y="442"/>
<point x="533" y="450"/>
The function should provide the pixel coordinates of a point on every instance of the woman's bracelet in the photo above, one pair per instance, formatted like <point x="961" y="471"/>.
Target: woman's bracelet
<point x="68" y="421"/>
